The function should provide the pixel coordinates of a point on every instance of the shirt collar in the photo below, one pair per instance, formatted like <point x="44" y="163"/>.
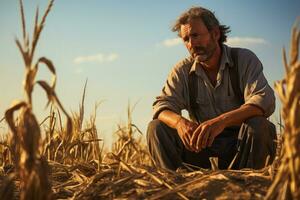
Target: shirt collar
<point x="226" y="57"/>
<point x="226" y="60"/>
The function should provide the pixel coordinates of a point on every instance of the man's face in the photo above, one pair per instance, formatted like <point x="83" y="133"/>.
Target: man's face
<point x="198" y="40"/>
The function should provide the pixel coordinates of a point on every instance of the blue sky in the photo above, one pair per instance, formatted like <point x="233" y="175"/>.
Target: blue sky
<point x="126" y="49"/>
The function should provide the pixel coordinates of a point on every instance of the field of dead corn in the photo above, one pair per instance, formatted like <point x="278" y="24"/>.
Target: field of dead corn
<point x="62" y="157"/>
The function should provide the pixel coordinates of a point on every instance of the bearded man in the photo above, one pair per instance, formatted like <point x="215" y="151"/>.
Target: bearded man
<point x="228" y="99"/>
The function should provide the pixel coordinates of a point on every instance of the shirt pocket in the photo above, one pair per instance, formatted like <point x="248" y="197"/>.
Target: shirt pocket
<point x="203" y="94"/>
<point x="204" y="106"/>
<point x="203" y="99"/>
<point x="231" y="102"/>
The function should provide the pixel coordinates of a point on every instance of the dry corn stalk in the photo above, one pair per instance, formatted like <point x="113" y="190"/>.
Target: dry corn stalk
<point x="128" y="147"/>
<point x="30" y="165"/>
<point x="287" y="182"/>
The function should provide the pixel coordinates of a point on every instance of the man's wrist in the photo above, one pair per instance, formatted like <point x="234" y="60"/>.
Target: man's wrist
<point x="225" y="120"/>
<point x="177" y="121"/>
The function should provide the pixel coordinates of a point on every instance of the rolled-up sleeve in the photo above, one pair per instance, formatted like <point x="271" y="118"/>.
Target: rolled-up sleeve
<point x="172" y="95"/>
<point x="257" y="91"/>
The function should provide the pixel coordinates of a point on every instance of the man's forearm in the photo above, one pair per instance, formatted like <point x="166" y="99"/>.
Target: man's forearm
<point x="170" y="118"/>
<point x="232" y="118"/>
<point x="238" y="116"/>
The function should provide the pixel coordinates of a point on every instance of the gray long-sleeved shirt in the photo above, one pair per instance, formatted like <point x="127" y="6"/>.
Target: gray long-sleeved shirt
<point x="218" y="99"/>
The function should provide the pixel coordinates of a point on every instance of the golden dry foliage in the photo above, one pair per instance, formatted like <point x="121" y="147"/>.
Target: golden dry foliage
<point x="287" y="182"/>
<point x="31" y="167"/>
<point x="128" y="147"/>
<point x="78" y="170"/>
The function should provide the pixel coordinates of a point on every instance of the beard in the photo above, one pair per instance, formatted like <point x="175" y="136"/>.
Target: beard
<point x="204" y="53"/>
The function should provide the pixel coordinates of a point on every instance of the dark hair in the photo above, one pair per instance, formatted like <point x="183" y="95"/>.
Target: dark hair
<point x="208" y="18"/>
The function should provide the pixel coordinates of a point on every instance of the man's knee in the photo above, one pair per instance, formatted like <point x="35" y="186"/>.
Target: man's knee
<point x="263" y="131"/>
<point x="163" y="145"/>
<point x="259" y="126"/>
<point x="155" y="129"/>
<point x="257" y="136"/>
<point x="257" y="122"/>
<point x="154" y="125"/>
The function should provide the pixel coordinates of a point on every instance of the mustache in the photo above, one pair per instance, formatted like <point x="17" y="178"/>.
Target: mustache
<point x="199" y="48"/>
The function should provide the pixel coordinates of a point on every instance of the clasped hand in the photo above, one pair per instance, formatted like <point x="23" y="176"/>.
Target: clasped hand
<point x="196" y="137"/>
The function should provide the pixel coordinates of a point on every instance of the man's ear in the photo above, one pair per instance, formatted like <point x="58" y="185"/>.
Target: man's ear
<point x="216" y="33"/>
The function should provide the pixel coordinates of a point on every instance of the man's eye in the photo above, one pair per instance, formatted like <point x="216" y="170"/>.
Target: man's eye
<point x="186" y="39"/>
<point x="195" y="35"/>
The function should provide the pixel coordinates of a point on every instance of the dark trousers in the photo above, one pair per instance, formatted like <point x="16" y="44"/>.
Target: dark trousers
<point x="251" y="144"/>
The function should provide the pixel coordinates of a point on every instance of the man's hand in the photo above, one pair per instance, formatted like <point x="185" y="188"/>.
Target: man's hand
<point x="185" y="129"/>
<point x="196" y="138"/>
<point x="205" y="133"/>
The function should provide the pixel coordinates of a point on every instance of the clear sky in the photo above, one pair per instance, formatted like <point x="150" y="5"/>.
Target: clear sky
<point x="126" y="49"/>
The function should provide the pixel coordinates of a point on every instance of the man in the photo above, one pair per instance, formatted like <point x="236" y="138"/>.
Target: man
<point x="229" y="116"/>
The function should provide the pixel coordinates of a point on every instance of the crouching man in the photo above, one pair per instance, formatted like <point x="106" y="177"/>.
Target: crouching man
<point x="227" y="96"/>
